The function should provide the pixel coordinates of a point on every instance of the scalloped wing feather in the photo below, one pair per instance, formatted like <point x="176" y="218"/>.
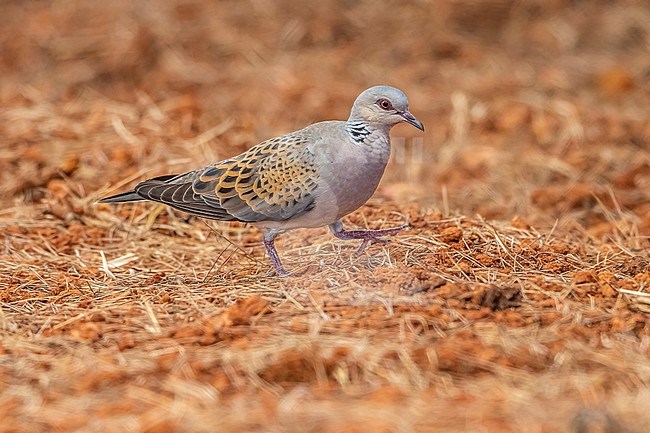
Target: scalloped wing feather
<point x="273" y="181"/>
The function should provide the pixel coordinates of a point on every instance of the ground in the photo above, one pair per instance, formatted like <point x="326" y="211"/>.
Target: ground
<point x="518" y="300"/>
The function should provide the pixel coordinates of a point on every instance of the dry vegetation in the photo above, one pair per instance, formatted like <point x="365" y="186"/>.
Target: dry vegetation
<point x="518" y="301"/>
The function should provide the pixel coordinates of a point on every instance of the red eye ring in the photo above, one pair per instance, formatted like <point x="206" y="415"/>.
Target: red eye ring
<point x="384" y="104"/>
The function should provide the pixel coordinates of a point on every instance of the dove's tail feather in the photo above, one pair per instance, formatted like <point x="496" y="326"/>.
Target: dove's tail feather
<point x="122" y="198"/>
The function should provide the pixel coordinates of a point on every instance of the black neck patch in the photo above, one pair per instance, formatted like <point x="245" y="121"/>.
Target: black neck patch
<point x="358" y="130"/>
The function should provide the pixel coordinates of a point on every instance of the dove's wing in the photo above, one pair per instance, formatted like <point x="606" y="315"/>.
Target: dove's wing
<point x="273" y="181"/>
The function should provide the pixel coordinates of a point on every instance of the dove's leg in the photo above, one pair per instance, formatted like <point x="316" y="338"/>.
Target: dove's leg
<point x="269" y="243"/>
<point x="366" y="235"/>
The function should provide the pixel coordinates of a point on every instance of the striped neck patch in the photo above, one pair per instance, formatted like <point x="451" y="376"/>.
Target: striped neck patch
<point x="358" y="130"/>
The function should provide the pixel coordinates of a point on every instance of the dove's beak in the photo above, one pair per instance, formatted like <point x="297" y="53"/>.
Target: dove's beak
<point x="409" y="118"/>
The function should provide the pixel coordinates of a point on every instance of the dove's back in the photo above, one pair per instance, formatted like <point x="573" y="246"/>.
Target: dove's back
<point x="308" y="178"/>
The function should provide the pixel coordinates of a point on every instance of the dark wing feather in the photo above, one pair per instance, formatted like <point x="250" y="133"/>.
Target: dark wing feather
<point x="176" y="191"/>
<point x="273" y="181"/>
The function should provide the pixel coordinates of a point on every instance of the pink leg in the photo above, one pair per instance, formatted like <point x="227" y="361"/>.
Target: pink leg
<point x="269" y="243"/>
<point x="366" y="235"/>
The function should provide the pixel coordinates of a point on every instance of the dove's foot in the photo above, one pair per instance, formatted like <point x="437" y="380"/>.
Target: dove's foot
<point x="269" y="243"/>
<point x="367" y="236"/>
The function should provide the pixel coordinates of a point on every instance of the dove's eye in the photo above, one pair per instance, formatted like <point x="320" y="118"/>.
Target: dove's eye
<point x="384" y="104"/>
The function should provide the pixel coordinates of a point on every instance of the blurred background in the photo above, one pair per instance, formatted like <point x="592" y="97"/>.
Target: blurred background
<point x="134" y="318"/>
<point x="533" y="108"/>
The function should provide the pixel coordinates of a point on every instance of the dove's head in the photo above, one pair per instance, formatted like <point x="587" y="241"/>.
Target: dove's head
<point x="383" y="105"/>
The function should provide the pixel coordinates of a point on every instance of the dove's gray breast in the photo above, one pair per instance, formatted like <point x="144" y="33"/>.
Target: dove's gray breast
<point x="349" y="172"/>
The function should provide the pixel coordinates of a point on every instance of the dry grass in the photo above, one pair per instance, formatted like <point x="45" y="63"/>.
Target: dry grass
<point x="518" y="301"/>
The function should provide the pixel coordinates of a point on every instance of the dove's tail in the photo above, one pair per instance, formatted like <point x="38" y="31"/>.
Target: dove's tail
<point x="122" y="198"/>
